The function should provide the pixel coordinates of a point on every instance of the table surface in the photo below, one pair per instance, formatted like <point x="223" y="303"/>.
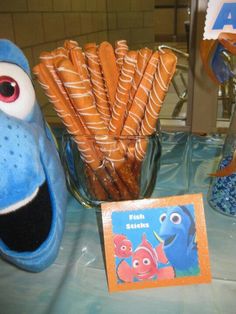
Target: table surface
<point x="76" y="282"/>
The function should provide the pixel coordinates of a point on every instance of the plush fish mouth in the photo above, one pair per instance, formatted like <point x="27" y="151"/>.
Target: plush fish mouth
<point x="24" y="226"/>
<point x="19" y="204"/>
<point x="169" y="240"/>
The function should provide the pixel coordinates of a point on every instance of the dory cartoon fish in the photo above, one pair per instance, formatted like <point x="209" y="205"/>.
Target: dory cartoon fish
<point x="32" y="183"/>
<point x="122" y="246"/>
<point x="178" y="234"/>
<point x="144" y="265"/>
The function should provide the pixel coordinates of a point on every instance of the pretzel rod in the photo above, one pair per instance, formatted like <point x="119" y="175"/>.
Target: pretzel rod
<point x="97" y="82"/>
<point x="86" y="108"/>
<point x="89" y="45"/>
<point x="83" y="103"/>
<point x="144" y="56"/>
<point x="165" y="71"/>
<point x="92" y="92"/>
<point x="140" y="151"/>
<point x="123" y="188"/>
<point x="125" y="172"/>
<point x="70" y="44"/>
<point x="88" y="151"/>
<point x="73" y="125"/>
<point x="102" y="178"/>
<point x="111" y="148"/>
<point x="78" y="60"/>
<point x="136" y="112"/>
<point x="121" y="49"/>
<point x="95" y="188"/>
<point x="48" y="59"/>
<point x="60" y="52"/>
<point x="109" y="68"/>
<point x="80" y="97"/>
<point x="122" y="94"/>
<point x="131" y="150"/>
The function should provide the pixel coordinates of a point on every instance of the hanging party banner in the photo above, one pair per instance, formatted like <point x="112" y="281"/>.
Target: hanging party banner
<point x="221" y="17"/>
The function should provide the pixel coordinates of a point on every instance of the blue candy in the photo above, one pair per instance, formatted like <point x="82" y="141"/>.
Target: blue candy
<point x="222" y="196"/>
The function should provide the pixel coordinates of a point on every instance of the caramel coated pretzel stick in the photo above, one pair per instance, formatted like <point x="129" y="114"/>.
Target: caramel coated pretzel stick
<point x="66" y="113"/>
<point x="121" y="49"/>
<point x="80" y="97"/>
<point x="165" y="71"/>
<point x="48" y="59"/>
<point x="97" y="82"/>
<point x="70" y="44"/>
<point x="84" y="105"/>
<point x="122" y="94"/>
<point x="82" y="101"/>
<point x="78" y="60"/>
<point x="88" y="151"/>
<point x="60" y="52"/>
<point x="96" y="189"/>
<point x="136" y="112"/>
<point x="109" y="68"/>
<point x="143" y="58"/>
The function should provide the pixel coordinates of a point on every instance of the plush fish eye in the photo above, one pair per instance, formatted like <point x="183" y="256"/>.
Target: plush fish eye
<point x="123" y="248"/>
<point x="135" y="263"/>
<point x="175" y="218"/>
<point x="17" y="96"/>
<point x="146" y="261"/>
<point x="9" y="89"/>
<point x="162" y="217"/>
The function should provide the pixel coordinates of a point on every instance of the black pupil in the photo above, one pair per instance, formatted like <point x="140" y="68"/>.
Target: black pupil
<point x="6" y="89"/>
<point x="163" y="218"/>
<point x="175" y="218"/>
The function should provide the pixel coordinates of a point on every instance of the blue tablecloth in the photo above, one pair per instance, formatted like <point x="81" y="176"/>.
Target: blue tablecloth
<point x="76" y="282"/>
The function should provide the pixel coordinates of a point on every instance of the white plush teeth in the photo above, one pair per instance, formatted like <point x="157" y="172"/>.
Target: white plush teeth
<point x="19" y="204"/>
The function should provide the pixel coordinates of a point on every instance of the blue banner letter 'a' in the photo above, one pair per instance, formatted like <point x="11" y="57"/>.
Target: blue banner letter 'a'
<point x="226" y="16"/>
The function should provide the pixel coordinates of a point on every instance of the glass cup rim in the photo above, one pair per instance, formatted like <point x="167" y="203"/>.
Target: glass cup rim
<point x="114" y="137"/>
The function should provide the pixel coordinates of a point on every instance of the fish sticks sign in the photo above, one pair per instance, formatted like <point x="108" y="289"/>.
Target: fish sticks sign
<point x="155" y="242"/>
<point x="221" y="17"/>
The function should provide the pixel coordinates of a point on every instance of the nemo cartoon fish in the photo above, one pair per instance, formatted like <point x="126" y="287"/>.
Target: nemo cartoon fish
<point x="178" y="236"/>
<point x="122" y="246"/>
<point x="144" y="265"/>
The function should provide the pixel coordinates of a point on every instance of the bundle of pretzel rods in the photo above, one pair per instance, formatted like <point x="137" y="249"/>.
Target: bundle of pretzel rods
<point x="104" y="93"/>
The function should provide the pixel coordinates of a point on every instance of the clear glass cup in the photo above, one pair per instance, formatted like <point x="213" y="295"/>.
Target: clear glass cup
<point x="127" y="179"/>
<point x="222" y="192"/>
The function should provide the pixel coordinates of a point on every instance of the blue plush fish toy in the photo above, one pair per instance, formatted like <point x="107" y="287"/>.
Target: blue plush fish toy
<point x="178" y="233"/>
<point x="32" y="185"/>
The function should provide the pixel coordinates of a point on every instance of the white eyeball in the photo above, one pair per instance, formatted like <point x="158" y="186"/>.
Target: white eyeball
<point x="175" y="218"/>
<point x="135" y="263"/>
<point x="146" y="261"/>
<point x="17" y="96"/>
<point x="162" y="217"/>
